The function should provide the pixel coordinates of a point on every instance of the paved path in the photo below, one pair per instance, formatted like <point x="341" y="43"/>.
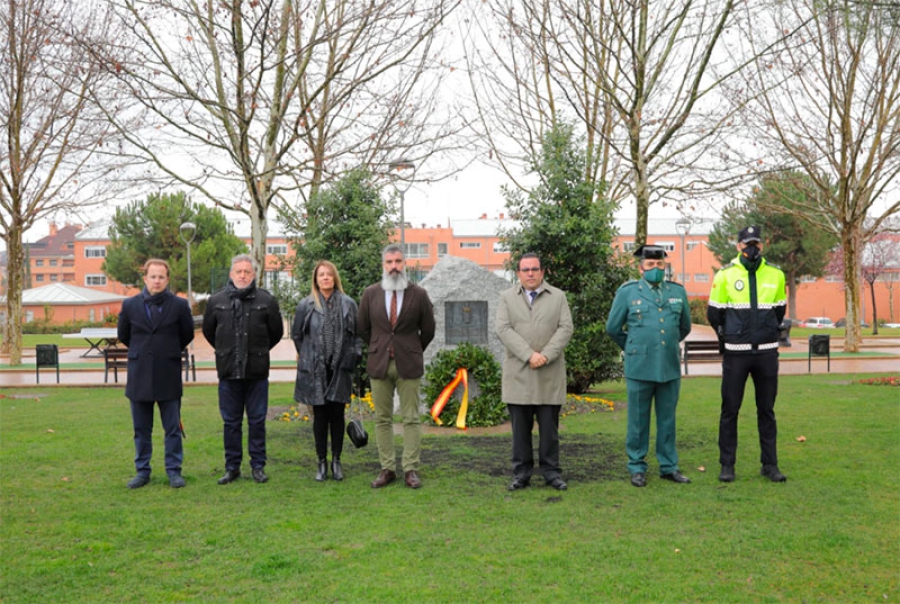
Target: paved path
<point x="883" y="357"/>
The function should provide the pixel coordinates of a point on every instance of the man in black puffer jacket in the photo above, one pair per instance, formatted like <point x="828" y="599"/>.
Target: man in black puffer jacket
<point x="243" y="323"/>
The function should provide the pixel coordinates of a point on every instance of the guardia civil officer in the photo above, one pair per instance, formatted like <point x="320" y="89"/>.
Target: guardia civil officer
<point x="746" y="307"/>
<point x="648" y="319"/>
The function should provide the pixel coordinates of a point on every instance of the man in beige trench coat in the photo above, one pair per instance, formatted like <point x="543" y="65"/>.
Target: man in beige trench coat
<point x="535" y="324"/>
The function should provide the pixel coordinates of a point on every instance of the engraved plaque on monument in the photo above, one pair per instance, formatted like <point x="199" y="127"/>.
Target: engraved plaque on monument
<point x="466" y="322"/>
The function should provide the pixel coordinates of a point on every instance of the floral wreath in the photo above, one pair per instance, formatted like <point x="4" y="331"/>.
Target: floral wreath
<point x="486" y="408"/>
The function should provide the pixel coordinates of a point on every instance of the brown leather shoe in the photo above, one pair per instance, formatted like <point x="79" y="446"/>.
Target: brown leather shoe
<point x="412" y="480"/>
<point x="385" y="478"/>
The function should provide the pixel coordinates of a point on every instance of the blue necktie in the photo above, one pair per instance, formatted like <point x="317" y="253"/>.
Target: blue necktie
<point x="533" y="296"/>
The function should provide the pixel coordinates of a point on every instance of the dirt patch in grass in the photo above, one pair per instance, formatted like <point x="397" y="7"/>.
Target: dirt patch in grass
<point x="583" y="458"/>
<point x="483" y="454"/>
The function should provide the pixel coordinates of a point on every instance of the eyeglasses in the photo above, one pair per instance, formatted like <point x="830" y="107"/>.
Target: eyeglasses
<point x="530" y="270"/>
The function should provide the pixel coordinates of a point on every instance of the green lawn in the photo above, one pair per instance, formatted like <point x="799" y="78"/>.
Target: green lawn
<point x="71" y="532"/>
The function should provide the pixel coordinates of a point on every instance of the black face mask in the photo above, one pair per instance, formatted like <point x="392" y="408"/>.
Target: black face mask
<point x="751" y="253"/>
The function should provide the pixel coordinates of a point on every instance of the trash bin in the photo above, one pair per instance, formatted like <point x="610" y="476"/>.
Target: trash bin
<point x="46" y="355"/>
<point x="819" y="346"/>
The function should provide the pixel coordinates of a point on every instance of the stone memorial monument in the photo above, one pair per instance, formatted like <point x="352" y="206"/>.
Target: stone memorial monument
<point x="465" y="299"/>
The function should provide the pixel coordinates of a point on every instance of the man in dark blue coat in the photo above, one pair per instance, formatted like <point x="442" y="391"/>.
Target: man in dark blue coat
<point x="156" y="326"/>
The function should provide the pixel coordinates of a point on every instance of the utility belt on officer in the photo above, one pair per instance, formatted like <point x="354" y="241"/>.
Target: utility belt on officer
<point x="750" y="347"/>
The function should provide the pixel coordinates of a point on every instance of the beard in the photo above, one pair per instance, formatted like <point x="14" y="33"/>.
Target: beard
<point x="394" y="281"/>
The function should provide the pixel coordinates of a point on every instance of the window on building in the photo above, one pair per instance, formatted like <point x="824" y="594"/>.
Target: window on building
<point x="701" y="278"/>
<point x="54" y="277"/>
<point x="68" y="277"/>
<point x="29" y="316"/>
<point x="834" y="278"/>
<point x="442" y="250"/>
<point x="92" y="315"/>
<point x="628" y="246"/>
<point x="470" y="245"/>
<point x="417" y="250"/>
<point x="500" y="247"/>
<point x="95" y="251"/>
<point x="807" y="279"/>
<point x="666" y="245"/>
<point x="682" y="278"/>
<point x="39" y="263"/>
<point x="68" y="263"/>
<point x="54" y="262"/>
<point x="691" y="245"/>
<point x="95" y="280"/>
<point x="277" y="248"/>
<point x="39" y="277"/>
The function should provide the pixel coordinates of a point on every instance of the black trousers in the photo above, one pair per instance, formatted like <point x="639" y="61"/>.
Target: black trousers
<point x="328" y="418"/>
<point x="523" y="417"/>
<point x="763" y="368"/>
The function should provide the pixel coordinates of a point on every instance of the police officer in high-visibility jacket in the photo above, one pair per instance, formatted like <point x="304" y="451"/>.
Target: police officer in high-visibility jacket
<point x="648" y="319"/>
<point x="746" y="307"/>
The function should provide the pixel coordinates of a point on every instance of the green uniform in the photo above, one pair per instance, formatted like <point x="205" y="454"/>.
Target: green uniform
<point x="648" y="323"/>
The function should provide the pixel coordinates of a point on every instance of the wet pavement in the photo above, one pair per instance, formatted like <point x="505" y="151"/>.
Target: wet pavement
<point x="880" y="355"/>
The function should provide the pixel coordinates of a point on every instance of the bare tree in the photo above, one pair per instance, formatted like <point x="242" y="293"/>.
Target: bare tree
<point x="640" y="76"/>
<point x="830" y="107"/>
<point x="882" y="254"/>
<point x="57" y="152"/>
<point x="257" y="103"/>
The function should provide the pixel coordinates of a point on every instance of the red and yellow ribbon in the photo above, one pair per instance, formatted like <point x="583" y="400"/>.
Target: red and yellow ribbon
<point x="462" y="375"/>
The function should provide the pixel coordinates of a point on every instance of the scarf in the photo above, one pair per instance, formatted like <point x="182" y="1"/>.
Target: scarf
<point x="333" y="329"/>
<point x="156" y="300"/>
<point x="237" y="303"/>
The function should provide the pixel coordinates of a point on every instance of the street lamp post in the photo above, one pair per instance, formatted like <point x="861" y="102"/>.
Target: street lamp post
<point x="398" y="166"/>
<point x="188" y="230"/>
<point x="683" y="226"/>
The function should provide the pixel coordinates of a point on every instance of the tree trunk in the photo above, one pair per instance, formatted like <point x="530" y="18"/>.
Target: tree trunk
<point x="874" y="309"/>
<point x="851" y="244"/>
<point x="12" y="331"/>
<point x="259" y="230"/>
<point x="791" y="280"/>
<point x="642" y="193"/>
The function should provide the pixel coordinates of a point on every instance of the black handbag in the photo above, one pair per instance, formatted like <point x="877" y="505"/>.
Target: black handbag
<point x="355" y="430"/>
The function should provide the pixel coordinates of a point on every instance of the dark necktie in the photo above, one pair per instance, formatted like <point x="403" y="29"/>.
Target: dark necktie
<point x="394" y="309"/>
<point x="533" y="295"/>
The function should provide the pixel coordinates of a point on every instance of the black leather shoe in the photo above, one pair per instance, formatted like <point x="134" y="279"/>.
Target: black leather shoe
<point x="727" y="474"/>
<point x="558" y="484"/>
<point x="336" y="470"/>
<point x="322" y="470"/>
<point x="176" y="481"/>
<point x="229" y="476"/>
<point x="639" y="479"/>
<point x="518" y="484"/>
<point x="138" y="481"/>
<point x="773" y="474"/>
<point x="385" y="478"/>
<point x="259" y="475"/>
<point x="676" y="476"/>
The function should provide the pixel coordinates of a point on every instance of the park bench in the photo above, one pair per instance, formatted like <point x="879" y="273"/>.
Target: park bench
<point x="705" y="350"/>
<point x="117" y="358"/>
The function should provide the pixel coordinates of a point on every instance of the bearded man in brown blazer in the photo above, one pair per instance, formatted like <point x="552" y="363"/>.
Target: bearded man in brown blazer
<point x="396" y="319"/>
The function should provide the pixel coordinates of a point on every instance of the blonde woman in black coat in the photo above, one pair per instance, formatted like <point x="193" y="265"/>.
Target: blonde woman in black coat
<point x="324" y="333"/>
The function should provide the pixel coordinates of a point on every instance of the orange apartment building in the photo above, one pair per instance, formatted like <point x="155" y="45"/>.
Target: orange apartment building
<point x="477" y="240"/>
<point x="51" y="259"/>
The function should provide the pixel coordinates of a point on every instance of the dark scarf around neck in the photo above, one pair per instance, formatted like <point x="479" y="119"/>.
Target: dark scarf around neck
<point x="156" y="299"/>
<point x="237" y="298"/>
